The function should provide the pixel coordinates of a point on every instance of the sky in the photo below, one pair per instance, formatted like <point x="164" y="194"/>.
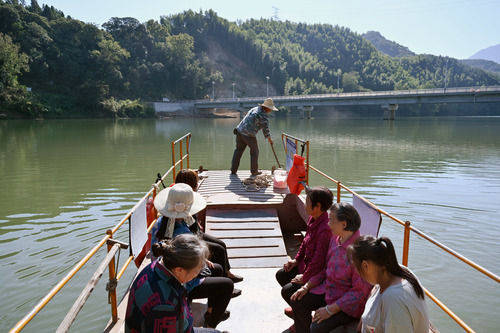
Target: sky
<point x="455" y="28"/>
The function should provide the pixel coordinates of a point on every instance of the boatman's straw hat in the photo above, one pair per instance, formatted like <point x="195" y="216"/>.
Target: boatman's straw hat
<point x="179" y="202"/>
<point x="268" y="103"/>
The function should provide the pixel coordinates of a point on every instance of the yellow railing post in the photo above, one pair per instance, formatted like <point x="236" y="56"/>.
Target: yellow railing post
<point x="112" y="283"/>
<point x="180" y="154"/>
<point x="187" y="149"/>
<point x="173" y="161"/>
<point x="406" y="243"/>
<point x="338" y="191"/>
<point x="284" y="141"/>
<point x="307" y="170"/>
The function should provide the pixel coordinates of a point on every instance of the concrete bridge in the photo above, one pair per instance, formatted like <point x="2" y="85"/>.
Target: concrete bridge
<point x="388" y="100"/>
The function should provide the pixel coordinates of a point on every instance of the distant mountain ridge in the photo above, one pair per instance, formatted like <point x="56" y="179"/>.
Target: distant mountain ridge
<point x="75" y="67"/>
<point x="491" y="53"/>
<point x="386" y="46"/>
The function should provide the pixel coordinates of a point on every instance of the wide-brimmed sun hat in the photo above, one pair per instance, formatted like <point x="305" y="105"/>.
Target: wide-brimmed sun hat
<point x="179" y="201"/>
<point x="268" y="103"/>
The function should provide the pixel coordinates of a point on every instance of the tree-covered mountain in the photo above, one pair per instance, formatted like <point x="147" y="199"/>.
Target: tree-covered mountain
<point x="79" y="69"/>
<point x="392" y="49"/>
<point x="486" y="65"/>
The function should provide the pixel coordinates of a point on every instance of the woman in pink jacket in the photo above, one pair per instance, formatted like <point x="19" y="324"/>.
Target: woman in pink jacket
<point x="310" y="260"/>
<point x="337" y="294"/>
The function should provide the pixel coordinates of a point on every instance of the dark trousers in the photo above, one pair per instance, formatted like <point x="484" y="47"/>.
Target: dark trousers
<point x="338" y="319"/>
<point x="218" y="252"/>
<point x="288" y="288"/>
<point x="242" y="141"/>
<point x="302" y="310"/>
<point x="218" y="290"/>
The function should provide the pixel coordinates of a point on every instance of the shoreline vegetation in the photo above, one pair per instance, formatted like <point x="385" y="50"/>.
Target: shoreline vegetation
<point x="55" y="66"/>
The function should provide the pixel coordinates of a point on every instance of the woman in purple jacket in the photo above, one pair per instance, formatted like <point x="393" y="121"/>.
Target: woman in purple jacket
<point x="337" y="294"/>
<point x="310" y="260"/>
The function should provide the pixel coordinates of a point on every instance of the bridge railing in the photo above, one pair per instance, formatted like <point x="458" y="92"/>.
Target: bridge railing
<point x="430" y="91"/>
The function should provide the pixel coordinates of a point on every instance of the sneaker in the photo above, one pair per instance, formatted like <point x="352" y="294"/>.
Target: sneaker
<point x="289" y="312"/>
<point x="236" y="293"/>
<point x="290" y="329"/>
<point x="256" y="173"/>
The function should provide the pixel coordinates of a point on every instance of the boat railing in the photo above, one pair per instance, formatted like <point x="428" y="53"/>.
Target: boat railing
<point x="408" y="228"/>
<point x="112" y="247"/>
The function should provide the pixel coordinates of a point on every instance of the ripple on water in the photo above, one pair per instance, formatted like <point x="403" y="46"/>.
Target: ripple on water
<point x="25" y="215"/>
<point x="10" y="254"/>
<point x="72" y="207"/>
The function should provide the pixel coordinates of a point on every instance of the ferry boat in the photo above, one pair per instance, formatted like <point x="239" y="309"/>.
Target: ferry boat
<point x="261" y="228"/>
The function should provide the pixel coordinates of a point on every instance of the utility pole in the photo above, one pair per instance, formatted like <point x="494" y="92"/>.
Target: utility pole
<point x="267" y="86"/>
<point x="233" y="88"/>
<point x="339" y="73"/>
<point x="446" y="75"/>
<point x="213" y="90"/>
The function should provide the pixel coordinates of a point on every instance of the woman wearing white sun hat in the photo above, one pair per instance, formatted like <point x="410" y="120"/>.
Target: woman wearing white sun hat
<point x="177" y="205"/>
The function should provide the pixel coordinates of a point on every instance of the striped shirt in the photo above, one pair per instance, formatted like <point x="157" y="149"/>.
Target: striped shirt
<point x="255" y="120"/>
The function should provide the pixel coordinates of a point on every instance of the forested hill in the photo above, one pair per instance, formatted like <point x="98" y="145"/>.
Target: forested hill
<point x="79" y="69"/>
<point x="386" y="46"/>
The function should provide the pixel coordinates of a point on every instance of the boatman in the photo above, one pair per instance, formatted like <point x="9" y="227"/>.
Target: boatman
<point x="246" y="132"/>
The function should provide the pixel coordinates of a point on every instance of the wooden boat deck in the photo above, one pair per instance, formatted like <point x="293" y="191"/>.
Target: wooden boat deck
<point x="252" y="236"/>
<point x="246" y="221"/>
<point x="220" y="188"/>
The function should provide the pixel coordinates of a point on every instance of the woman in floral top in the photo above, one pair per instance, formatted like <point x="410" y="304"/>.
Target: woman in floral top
<point x="158" y="299"/>
<point x="337" y="294"/>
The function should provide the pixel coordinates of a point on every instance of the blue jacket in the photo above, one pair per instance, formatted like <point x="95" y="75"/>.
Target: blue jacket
<point x="254" y="120"/>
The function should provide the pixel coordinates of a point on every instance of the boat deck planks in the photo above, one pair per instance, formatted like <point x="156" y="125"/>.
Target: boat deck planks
<point x="252" y="236"/>
<point x="219" y="187"/>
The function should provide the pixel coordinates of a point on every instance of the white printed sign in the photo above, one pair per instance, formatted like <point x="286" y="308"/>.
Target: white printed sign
<point x="291" y="149"/>
<point x="138" y="228"/>
<point x="370" y="217"/>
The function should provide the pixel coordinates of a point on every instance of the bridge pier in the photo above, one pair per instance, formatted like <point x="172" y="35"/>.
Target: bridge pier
<point x="306" y="111"/>
<point x="390" y="111"/>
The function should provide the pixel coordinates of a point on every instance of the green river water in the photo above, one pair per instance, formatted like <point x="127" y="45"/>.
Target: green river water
<point x="64" y="182"/>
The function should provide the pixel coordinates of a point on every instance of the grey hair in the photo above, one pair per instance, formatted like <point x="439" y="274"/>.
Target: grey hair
<point x="185" y="251"/>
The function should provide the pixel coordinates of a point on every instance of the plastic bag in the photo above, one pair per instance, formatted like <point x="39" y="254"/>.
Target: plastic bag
<point x="297" y="174"/>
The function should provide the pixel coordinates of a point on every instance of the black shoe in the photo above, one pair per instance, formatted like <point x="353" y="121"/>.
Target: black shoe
<point x="257" y="173"/>
<point x="236" y="278"/>
<point x="236" y="293"/>
<point x="224" y="316"/>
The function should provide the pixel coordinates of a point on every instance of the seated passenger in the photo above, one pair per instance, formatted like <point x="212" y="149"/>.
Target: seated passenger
<point x="157" y="301"/>
<point x="397" y="302"/>
<point x="337" y="294"/>
<point x="176" y="204"/>
<point x="218" y="250"/>
<point x="310" y="259"/>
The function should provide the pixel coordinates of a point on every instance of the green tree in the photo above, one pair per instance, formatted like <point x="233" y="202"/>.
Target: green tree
<point x="12" y="64"/>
